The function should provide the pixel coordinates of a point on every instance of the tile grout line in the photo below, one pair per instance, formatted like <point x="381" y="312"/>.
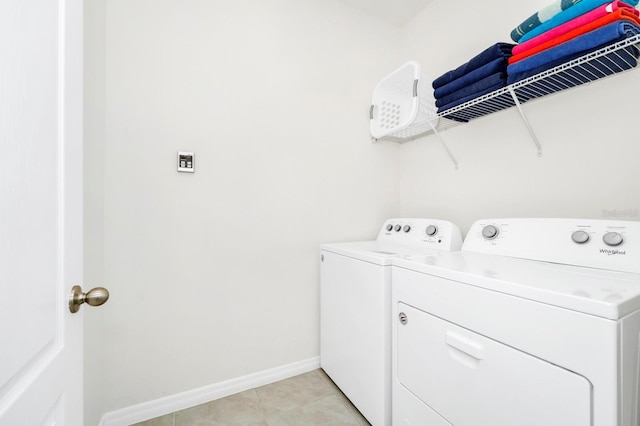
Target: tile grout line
<point x="262" y="414"/>
<point x="346" y="403"/>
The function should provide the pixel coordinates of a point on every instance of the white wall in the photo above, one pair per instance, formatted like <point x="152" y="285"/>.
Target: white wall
<point x="589" y="164"/>
<point x="214" y="275"/>
<point x="94" y="137"/>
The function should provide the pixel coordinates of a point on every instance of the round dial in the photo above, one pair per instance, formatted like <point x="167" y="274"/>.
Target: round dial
<point x="398" y="228"/>
<point x="389" y="227"/>
<point x="431" y="230"/>
<point x="612" y="239"/>
<point x="580" y="237"/>
<point x="406" y="228"/>
<point x="489" y="232"/>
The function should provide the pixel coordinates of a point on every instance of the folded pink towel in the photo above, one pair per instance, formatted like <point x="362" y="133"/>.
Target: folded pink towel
<point x="580" y="21"/>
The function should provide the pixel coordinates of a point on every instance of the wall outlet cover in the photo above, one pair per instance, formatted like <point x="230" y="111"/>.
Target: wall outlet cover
<point x="186" y="163"/>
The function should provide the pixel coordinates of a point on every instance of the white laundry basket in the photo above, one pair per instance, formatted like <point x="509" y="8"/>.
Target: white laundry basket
<point x="403" y="105"/>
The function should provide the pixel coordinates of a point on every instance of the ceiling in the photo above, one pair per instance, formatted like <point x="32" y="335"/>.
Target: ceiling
<point x="396" y="12"/>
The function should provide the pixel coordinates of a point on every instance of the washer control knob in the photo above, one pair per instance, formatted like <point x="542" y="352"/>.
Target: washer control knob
<point x="389" y="227"/>
<point x="406" y="228"/>
<point x="431" y="230"/>
<point x="489" y="232"/>
<point x="580" y="237"/>
<point x="398" y="228"/>
<point x="612" y="239"/>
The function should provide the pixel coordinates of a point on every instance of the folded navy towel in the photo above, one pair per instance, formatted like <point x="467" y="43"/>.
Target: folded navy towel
<point x="498" y="50"/>
<point x="495" y="66"/>
<point x="475" y="87"/>
<point x="575" y="48"/>
<point x="472" y="96"/>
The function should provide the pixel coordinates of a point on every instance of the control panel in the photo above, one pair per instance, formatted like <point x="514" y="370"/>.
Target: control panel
<point x="605" y="244"/>
<point x="426" y="233"/>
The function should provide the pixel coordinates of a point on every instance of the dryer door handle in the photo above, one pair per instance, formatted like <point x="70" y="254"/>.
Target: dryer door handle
<point x="465" y="344"/>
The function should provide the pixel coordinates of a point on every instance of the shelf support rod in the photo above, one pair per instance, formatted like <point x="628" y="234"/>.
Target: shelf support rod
<point x="444" y="144"/>
<point x="526" y="121"/>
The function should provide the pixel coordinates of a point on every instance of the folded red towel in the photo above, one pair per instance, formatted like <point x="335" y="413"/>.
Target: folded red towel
<point x="579" y="21"/>
<point x="553" y="38"/>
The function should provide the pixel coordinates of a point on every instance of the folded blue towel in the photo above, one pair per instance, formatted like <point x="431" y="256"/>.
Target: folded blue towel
<point x="475" y="87"/>
<point x="472" y="96"/>
<point x="495" y="66"/>
<point x="540" y="17"/>
<point x="572" y="49"/>
<point x="594" y="69"/>
<point x="580" y="8"/>
<point x="498" y="50"/>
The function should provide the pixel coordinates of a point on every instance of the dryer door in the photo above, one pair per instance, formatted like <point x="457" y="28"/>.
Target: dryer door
<point x="471" y="380"/>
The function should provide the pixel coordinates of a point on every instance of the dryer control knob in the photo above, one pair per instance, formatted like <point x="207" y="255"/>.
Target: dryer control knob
<point x="406" y="228"/>
<point x="431" y="230"/>
<point x="389" y="227"/>
<point x="612" y="239"/>
<point x="398" y="228"/>
<point x="489" y="232"/>
<point x="580" y="237"/>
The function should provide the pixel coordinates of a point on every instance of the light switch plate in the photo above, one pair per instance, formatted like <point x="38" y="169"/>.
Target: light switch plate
<point x="186" y="163"/>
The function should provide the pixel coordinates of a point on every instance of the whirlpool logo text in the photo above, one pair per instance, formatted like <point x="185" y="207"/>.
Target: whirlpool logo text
<point x="613" y="252"/>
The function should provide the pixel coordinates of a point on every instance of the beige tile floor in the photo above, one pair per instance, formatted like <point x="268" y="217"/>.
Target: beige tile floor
<point x="309" y="399"/>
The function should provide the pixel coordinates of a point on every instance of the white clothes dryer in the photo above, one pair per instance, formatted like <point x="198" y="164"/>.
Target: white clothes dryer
<point x="534" y="322"/>
<point x="355" y="308"/>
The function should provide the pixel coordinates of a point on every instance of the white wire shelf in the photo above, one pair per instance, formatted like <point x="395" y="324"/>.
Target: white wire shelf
<point x="610" y="60"/>
<point x="605" y="62"/>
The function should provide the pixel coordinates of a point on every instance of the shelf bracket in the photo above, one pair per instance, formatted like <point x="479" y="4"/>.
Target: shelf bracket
<point x="526" y="121"/>
<point x="444" y="144"/>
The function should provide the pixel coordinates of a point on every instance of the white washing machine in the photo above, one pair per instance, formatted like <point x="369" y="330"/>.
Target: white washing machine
<point x="534" y="322"/>
<point x="355" y="308"/>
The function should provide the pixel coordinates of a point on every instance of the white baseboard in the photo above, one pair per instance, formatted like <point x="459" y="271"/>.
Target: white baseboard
<point x="169" y="404"/>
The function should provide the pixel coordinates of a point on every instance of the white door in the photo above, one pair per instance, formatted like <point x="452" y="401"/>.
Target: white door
<point x="40" y="211"/>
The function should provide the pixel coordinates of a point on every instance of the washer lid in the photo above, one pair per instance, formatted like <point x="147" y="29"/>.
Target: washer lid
<point x="377" y="252"/>
<point x="607" y="294"/>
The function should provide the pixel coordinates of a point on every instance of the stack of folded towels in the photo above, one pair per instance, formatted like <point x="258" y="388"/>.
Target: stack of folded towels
<point x="569" y="29"/>
<point x="559" y="33"/>
<point x="483" y="74"/>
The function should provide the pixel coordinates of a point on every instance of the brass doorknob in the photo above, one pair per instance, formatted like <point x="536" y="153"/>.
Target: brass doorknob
<point x="94" y="297"/>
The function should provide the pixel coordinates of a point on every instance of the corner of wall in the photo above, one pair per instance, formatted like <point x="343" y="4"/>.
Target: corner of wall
<point x="93" y="171"/>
